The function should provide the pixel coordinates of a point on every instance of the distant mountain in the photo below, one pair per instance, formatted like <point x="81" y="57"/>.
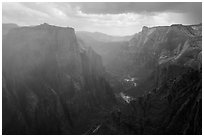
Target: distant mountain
<point x="101" y="36"/>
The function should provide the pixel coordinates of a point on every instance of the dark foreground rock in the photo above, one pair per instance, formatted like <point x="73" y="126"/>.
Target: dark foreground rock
<point x="173" y="109"/>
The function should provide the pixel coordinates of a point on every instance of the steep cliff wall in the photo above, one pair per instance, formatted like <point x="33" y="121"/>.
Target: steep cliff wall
<point x="163" y="52"/>
<point x="169" y="100"/>
<point x="50" y="84"/>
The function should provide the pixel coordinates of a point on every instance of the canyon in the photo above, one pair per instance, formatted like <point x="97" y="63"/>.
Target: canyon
<point x="58" y="81"/>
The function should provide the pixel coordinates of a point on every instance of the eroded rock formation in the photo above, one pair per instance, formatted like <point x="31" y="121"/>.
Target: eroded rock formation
<point x="50" y="84"/>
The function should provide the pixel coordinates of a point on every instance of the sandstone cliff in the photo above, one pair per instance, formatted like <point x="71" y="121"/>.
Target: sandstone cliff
<point x="168" y="95"/>
<point x="160" y="53"/>
<point x="50" y="84"/>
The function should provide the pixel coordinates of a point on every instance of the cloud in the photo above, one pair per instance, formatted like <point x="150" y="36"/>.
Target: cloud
<point x="192" y="9"/>
<point x="110" y="18"/>
<point x="137" y="7"/>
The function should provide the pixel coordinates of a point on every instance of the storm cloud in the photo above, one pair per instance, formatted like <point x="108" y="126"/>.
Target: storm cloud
<point x="194" y="9"/>
<point x="114" y="18"/>
<point x="137" y="7"/>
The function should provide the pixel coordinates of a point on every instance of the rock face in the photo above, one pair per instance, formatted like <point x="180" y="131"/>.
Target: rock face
<point x="160" y="53"/>
<point x="168" y="99"/>
<point x="50" y="84"/>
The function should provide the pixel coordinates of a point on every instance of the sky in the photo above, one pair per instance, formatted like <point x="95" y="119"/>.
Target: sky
<point x="113" y="18"/>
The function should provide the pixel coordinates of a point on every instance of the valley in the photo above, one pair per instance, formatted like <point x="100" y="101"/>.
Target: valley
<point x="58" y="81"/>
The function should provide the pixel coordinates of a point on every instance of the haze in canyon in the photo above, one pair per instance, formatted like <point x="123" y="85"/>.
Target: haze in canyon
<point x="102" y="68"/>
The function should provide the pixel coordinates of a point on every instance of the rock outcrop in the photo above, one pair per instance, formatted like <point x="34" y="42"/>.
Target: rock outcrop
<point x="160" y="53"/>
<point x="169" y="99"/>
<point x="50" y="84"/>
